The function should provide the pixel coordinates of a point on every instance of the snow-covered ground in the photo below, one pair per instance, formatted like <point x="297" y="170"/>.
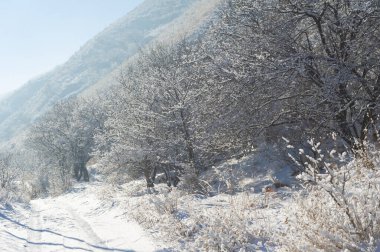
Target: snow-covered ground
<point x="244" y="210"/>
<point x="101" y="217"/>
<point x="238" y="214"/>
<point x="76" y="221"/>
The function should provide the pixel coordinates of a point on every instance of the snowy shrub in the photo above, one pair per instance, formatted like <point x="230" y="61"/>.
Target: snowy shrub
<point x="11" y="178"/>
<point x="167" y="204"/>
<point x="159" y="212"/>
<point x="115" y="176"/>
<point x="340" y="206"/>
<point x="230" y="225"/>
<point x="49" y="179"/>
<point x="193" y="184"/>
<point x="35" y="184"/>
<point x="40" y="177"/>
<point x="219" y="235"/>
<point x="9" y="171"/>
<point x="227" y="228"/>
<point x="7" y="196"/>
<point x="226" y="180"/>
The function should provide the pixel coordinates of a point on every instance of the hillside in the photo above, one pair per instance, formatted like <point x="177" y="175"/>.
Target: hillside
<point x="95" y="60"/>
<point x="223" y="125"/>
<point x="190" y="22"/>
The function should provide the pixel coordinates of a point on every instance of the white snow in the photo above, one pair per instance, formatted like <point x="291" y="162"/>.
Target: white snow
<point x="239" y="216"/>
<point x="76" y="221"/>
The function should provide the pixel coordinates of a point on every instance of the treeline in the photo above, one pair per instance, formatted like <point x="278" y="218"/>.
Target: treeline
<point x="260" y="70"/>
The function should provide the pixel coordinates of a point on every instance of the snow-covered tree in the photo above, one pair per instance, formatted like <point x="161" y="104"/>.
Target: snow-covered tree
<point x="290" y="65"/>
<point x="64" y="136"/>
<point x="9" y="170"/>
<point x="153" y="118"/>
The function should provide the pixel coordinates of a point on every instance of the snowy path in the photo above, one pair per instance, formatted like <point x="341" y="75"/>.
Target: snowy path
<point x="77" y="221"/>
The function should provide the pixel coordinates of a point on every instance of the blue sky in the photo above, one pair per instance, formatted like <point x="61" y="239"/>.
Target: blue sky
<point x="37" y="35"/>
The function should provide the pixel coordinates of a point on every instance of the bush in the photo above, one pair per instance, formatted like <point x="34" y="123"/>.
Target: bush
<point x="340" y="208"/>
<point x="230" y="228"/>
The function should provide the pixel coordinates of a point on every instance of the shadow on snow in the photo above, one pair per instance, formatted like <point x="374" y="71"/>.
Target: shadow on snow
<point x="57" y="234"/>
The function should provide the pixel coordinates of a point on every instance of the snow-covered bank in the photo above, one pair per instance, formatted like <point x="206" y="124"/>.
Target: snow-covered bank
<point x="255" y="206"/>
<point x="244" y="221"/>
<point x="239" y="216"/>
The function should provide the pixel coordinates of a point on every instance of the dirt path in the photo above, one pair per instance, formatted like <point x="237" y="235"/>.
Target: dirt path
<point x="77" y="221"/>
<point x="32" y="235"/>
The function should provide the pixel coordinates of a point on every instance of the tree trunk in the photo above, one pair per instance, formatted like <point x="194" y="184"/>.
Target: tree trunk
<point x="77" y="172"/>
<point x="189" y="144"/>
<point x="86" y="176"/>
<point x="81" y="170"/>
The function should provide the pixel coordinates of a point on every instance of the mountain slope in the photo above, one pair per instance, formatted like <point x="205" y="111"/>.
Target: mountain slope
<point x="191" y="22"/>
<point x="97" y="58"/>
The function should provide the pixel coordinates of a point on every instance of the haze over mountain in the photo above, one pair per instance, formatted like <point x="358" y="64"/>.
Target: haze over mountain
<point x="99" y="58"/>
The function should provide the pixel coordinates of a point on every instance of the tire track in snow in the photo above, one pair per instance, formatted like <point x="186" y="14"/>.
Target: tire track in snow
<point x="86" y="227"/>
<point x="33" y="233"/>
